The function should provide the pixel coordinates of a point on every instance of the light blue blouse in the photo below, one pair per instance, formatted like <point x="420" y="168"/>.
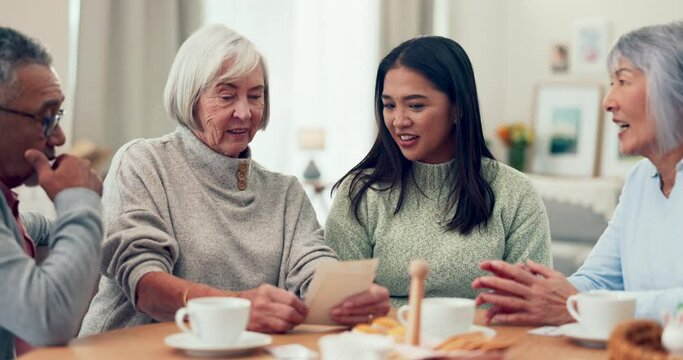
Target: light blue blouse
<point x="641" y="251"/>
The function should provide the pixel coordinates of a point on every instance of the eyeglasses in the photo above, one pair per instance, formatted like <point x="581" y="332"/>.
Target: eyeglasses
<point x="49" y="122"/>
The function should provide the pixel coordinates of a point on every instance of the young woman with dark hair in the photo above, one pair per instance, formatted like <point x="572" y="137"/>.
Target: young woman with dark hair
<point x="429" y="188"/>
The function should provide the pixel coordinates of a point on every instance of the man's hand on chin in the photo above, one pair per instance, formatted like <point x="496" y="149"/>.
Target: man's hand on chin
<point x="66" y="172"/>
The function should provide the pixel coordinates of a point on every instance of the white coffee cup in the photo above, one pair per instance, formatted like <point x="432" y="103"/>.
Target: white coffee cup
<point x="442" y="317"/>
<point x="215" y="321"/>
<point x="599" y="312"/>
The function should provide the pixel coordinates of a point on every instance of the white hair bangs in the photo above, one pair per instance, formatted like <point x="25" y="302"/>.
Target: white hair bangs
<point x="200" y="61"/>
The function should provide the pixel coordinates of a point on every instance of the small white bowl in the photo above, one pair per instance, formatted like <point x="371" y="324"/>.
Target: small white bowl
<point x="349" y="345"/>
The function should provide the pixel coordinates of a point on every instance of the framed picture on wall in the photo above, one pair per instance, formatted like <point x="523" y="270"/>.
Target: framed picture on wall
<point x="612" y="163"/>
<point x="590" y="46"/>
<point x="567" y="121"/>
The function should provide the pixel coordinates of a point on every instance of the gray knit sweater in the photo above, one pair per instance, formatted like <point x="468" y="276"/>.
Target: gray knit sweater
<point x="174" y="205"/>
<point x="518" y="230"/>
<point x="43" y="303"/>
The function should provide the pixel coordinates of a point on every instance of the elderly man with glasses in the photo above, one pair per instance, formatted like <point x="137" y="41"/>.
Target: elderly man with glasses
<point x="41" y="303"/>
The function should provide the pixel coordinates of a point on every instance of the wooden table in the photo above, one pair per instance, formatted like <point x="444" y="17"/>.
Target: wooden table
<point x="146" y="342"/>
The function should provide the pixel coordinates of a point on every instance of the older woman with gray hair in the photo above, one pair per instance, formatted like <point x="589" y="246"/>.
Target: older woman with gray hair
<point x="191" y="214"/>
<point x="640" y="251"/>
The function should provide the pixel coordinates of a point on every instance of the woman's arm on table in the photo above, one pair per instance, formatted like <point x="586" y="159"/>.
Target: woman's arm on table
<point x="161" y="294"/>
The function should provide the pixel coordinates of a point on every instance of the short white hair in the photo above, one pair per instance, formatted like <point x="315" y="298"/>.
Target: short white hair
<point x="657" y="51"/>
<point x="199" y="62"/>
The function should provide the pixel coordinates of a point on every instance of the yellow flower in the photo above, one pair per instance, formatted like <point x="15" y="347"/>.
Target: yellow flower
<point x="514" y="134"/>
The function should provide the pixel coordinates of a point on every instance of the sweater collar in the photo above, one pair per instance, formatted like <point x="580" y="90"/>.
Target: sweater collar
<point x="432" y="177"/>
<point x="212" y="165"/>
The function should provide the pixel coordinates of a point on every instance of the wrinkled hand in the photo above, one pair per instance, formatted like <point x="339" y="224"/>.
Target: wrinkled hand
<point x="273" y="310"/>
<point x="531" y="294"/>
<point x="361" y="307"/>
<point x="67" y="172"/>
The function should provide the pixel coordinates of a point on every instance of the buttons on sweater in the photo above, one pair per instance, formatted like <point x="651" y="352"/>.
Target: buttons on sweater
<point x="242" y="172"/>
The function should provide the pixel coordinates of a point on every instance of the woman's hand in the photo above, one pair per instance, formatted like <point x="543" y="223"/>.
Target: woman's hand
<point x="273" y="310"/>
<point x="362" y="307"/>
<point x="531" y="294"/>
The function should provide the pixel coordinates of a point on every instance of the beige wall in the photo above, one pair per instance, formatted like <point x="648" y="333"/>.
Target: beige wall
<point x="47" y="21"/>
<point x="509" y="42"/>
<point x="480" y="26"/>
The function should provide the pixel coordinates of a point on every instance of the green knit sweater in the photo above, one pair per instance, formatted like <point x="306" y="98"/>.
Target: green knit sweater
<point x="517" y="230"/>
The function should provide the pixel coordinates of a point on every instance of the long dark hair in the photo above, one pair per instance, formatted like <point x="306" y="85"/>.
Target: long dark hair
<point x="446" y="65"/>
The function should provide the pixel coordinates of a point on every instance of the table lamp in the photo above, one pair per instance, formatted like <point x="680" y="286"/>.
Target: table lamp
<point x="312" y="139"/>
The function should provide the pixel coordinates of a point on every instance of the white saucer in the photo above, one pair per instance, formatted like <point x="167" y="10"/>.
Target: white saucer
<point x="577" y="333"/>
<point x="193" y="347"/>
<point x="432" y="341"/>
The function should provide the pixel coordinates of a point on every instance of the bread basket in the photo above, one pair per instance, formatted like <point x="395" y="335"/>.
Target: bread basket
<point x="637" y="339"/>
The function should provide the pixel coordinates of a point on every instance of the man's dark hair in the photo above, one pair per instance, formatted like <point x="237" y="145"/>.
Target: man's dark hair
<point x="17" y="49"/>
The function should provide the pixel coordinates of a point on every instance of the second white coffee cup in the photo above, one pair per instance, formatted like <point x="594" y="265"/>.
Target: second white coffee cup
<point x="599" y="312"/>
<point x="442" y="317"/>
<point x="215" y="321"/>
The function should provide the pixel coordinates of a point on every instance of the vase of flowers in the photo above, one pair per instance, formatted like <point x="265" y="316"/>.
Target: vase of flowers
<point x="517" y="136"/>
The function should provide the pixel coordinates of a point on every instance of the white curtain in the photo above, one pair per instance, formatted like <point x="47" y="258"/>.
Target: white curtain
<point x="322" y="57"/>
<point x="406" y="19"/>
<point x="126" y="48"/>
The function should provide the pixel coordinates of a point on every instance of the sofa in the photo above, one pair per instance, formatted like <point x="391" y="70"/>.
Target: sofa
<point x="578" y="212"/>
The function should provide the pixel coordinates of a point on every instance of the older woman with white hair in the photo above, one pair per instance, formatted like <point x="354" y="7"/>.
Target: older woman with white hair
<point x="640" y="251"/>
<point x="191" y="214"/>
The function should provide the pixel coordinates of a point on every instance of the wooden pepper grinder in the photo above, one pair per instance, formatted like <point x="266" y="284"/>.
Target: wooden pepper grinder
<point x="418" y="271"/>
